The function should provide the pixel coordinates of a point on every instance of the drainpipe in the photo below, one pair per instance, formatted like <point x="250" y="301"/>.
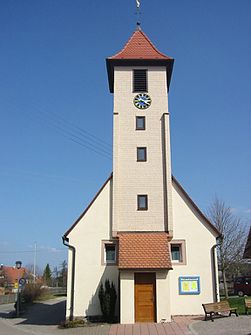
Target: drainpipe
<point x="66" y="243"/>
<point x="215" y="279"/>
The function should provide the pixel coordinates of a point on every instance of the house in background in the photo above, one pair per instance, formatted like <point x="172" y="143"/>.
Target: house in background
<point x="141" y="231"/>
<point x="9" y="276"/>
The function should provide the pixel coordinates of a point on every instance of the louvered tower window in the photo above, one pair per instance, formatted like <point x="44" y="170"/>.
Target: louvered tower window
<point x="139" y="80"/>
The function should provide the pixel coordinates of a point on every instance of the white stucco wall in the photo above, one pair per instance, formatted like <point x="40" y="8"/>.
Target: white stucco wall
<point x="86" y="236"/>
<point x="127" y="296"/>
<point x="95" y="227"/>
<point x="199" y="240"/>
<point x="163" y="309"/>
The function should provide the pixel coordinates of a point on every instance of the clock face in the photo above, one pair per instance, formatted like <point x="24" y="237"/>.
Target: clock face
<point x="142" y="100"/>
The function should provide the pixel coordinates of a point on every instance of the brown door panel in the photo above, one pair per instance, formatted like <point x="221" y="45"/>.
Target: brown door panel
<point x="145" y="297"/>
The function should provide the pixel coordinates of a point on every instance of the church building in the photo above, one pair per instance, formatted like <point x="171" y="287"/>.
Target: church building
<point x="142" y="231"/>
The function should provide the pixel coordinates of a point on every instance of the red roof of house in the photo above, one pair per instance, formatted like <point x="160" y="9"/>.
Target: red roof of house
<point x="12" y="274"/>
<point x="139" y="46"/>
<point x="144" y="251"/>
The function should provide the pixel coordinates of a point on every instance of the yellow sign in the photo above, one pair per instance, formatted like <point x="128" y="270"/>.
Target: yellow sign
<point x="189" y="285"/>
<point x="185" y="286"/>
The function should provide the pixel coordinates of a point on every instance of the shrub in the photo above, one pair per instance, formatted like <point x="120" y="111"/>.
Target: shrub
<point x="31" y="292"/>
<point x="72" y="324"/>
<point x="107" y="298"/>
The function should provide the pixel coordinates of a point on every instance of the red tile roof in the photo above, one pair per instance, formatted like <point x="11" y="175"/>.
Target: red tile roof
<point x="144" y="251"/>
<point x="139" y="46"/>
<point x="138" y="51"/>
<point x="12" y="274"/>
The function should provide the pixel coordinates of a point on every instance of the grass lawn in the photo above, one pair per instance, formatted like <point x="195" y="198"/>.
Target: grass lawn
<point x="237" y="302"/>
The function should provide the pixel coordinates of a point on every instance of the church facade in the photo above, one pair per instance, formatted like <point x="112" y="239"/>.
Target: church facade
<point x="141" y="231"/>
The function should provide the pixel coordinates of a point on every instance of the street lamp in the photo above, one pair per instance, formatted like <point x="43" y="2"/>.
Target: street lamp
<point x="18" y="267"/>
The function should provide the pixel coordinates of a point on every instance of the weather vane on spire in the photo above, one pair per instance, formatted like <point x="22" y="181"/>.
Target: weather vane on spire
<point x="138" y="13"/>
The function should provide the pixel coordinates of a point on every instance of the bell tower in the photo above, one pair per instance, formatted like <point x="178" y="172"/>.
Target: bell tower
<point x="139" y="76"/>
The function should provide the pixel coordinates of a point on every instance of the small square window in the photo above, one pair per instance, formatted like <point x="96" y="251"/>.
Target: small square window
<point x="178" y="252"/>
<point x="140" y="123"/>
<point x="142" y="202"/>
<point x="141" y="154"/>
<point x="110" y="253"/>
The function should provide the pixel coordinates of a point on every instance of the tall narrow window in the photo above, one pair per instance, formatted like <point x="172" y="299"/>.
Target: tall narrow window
<point x="139" y="81"/>
<point x="142" y="202"/>
<point x="110" y="253"/>
<point x="141" y="154"/>
<point x="140" y="123"/>
<point x="176" y="252"/>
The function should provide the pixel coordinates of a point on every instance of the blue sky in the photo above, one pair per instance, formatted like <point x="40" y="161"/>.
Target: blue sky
<point x="56" y="109"/>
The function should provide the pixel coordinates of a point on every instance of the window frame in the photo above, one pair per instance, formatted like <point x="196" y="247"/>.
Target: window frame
<point x="136" y="89"/>
<point x="144" y="150"/>
<point x="139" y="208"/>
<point x="103" y="252"/>
<point x="144" y="122"/>
<point x="182" y="247"/>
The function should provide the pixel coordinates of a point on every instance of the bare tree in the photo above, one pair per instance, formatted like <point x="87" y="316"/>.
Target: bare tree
<point x="30" y="269"/>
<point x="230" y="250"/>
<point x="3" y="277"/>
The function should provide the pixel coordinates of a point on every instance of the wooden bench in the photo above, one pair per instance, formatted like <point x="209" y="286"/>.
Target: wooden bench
<point x="215" y="308"/>
<point x="247" y="304"/>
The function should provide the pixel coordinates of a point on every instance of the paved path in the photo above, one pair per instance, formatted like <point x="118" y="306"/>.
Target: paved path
<point x="170" y="328"/>
<point x="233" y="325"/>
<point x="43" y="319"/>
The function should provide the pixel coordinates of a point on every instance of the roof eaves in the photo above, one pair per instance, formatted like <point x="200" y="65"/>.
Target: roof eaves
<point x="87" y="208"/>
<point x="211" y="226"/>
<point x="110" y="63"/>
<point x="125" y="46"/>
<point x="154" y="47"/>
<point x="144" y="268"/>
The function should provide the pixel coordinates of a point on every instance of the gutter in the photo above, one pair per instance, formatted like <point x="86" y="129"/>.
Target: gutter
<point x="72" y="248"/>
<point x="215" y="279"/>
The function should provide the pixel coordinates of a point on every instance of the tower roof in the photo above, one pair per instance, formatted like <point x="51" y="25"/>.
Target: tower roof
<point x="138" y="51"/>
<point x="139" y="46"/>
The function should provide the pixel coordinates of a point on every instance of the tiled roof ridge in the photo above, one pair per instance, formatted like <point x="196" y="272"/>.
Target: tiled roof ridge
<point x="154" y="47"/>
<point x="125" y="46"/>
<point x="148" y="40"/>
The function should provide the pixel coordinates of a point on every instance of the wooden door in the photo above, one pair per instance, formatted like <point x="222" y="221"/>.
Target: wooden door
<point x="145" y="297"/>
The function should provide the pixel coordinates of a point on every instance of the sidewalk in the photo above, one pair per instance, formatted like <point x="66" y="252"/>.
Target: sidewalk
<point x="179" y="326"/>
<point x="43" y="319"/>
<point x="232" y="325"/>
